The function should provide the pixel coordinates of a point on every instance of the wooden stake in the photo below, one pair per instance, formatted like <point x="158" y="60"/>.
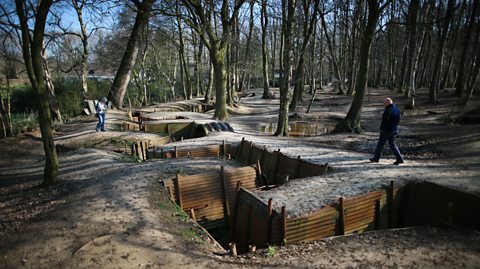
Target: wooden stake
<point x="250" y="153"/>
<point x="377" y="215"/>
<point x="170" y="194"/>
<point x="235" y="211"/>
<point x="276" y="166"/>
<point x="269" y="221"/>
<point x="342" y="216"/>
<point x="233" y="249"/>
<point x="450" y="213"/>
<point x="192" y="215"/>
<point x="297" y="174"/>
<point x="175" y="152"/>
<point x="283" y="236"/>
<point x="391" y="205"/>
<point x="226" y="210"/>
<point x="179" y="191"/>
<point x="224" y="147"/>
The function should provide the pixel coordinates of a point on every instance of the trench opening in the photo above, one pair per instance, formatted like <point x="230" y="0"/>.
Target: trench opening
<point x="226" y="205"/>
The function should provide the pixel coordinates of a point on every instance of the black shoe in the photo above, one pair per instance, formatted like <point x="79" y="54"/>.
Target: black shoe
<point x="398" y="162"/>
<point x="103" y="130"/>
<point x="373" y="160"/>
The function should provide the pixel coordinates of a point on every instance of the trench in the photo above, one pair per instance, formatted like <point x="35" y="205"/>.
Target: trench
<point x="225" y="203"/>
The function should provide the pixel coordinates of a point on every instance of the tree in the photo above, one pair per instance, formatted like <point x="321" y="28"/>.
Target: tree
<point x="216" y="43"/>
<point x="460" y="85"/>
<point x="122" y="77"/>
<point x="288" y="17"/>
<point x="435" y="81"/>
<point x="309" y="23"/>
<point x="351" y="123"/>
<point x="32" y="43"/>
<point x="264" y="22"/>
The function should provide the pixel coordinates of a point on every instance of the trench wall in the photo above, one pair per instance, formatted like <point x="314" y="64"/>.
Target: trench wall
<point x="210" y="198"/>
<point x="415" y="204"/>
<point x="275" y="167"/>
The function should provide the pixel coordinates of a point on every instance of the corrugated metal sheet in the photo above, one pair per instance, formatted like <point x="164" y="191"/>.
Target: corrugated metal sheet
<point x="430" y="205"/>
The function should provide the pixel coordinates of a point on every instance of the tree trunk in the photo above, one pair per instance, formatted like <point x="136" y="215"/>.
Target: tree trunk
<point x="310" y="21"/>
<point x="351" y="123"/>
<point x="5" y="112"/>
<point x="210" y="85"/>
<point x="460" y="82"/>
<point x="264" y="21"/>
<point x="84" y="39"/>
<point x="339" y="84"/>
<point x="288" y="20"/>
<point x="220" y="80"/>
<point x="434" y="83"/>
<point x="122" y="77"/>
<point x="412" y="43"/>
<point x="32" y="55"/>
<point x="187" y="86"/>
<point x="247" y="50"/>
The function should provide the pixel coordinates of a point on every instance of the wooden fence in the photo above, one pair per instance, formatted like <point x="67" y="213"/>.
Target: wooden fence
<point x="276" y="167"/>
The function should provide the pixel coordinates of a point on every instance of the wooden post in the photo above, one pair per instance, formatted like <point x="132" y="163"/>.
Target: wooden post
<point x="170" y="194"/>
<point x="235" y="211"/>
<point x="179" y="191"/>
<point x="297" y="174"/>
<point x="137" y="150"/>
<point x="233" y="249"/>
<point x="250" y="153"/>
<point x="276" y="166"/>
<point x="145" y="148"/>
<point x="391" y="205"/>
<point x="283" y="235"/>
<point x="192" y="215"/>
<point x="249" y="223"/>
<point x="154" y="152"/>
<point x="161" y="153"/>
<point x="450" y="213"/>
<point x="377" y="215"/>
<point x="226" y="210"/>
<point x="175" y="152"/>
<point x="224" y="147"/>
<point x="269" y="221"/>
<point x="342" y="216"/>
<point x="239" y="149"/>
<point x="189" y="155"/>
<point x="260" y="175"/>
<point x="141" y="149"/>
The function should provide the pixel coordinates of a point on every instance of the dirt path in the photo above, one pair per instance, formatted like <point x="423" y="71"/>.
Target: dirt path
<point x="110" y="212"/>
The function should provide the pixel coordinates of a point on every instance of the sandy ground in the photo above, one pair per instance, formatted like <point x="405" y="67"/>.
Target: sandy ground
<point x="110" y="212"/>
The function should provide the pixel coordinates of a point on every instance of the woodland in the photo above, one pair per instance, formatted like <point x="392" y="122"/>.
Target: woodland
<point x="285" y="58"/>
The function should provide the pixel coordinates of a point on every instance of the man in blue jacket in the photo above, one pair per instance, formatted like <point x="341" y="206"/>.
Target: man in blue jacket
<point x="388" y="131"/>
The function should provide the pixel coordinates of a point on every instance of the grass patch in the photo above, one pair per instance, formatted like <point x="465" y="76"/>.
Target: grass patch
<point x="24" y="122"/>
<point x="271" y="251"/>
<point x="194" y="235"/>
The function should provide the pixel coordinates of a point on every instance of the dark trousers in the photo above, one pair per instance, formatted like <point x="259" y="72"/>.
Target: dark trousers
<point x="384" y="136"/>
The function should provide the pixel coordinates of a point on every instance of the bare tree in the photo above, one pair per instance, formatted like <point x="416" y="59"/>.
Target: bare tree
<point x="122" y="77"/>
<point x="351" y="123"/>
<point x="32" y="55"/>
<point x="216" y="43"/>
<point x="288" y="17"/>
<point x="435" y="81"/>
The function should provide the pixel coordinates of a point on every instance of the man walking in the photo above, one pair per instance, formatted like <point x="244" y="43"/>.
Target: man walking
<point x="388" y="131"/>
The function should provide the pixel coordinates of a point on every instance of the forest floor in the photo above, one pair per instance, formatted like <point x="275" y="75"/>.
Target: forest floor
<point x="108" y="211"/>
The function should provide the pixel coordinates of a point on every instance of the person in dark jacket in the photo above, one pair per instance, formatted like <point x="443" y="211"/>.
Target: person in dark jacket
<point x="388" y="131"/>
